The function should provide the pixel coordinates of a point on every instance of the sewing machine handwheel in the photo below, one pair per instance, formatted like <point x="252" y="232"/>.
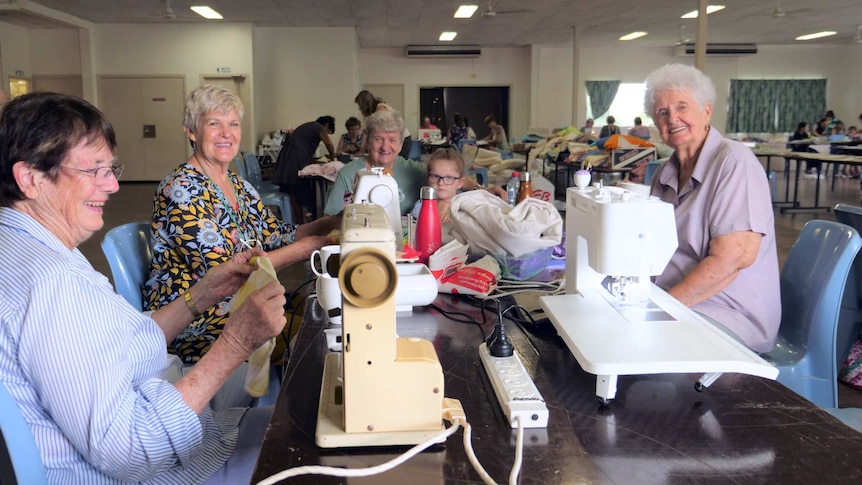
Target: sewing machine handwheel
<point x="367" y="278"/>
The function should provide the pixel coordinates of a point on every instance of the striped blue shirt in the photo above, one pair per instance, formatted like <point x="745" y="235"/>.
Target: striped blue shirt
<point x="87" y="371"/>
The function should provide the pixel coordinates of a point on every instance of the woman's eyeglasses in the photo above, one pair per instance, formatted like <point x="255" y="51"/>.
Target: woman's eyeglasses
<point x="445" y="180"/>
<point x="100" y="174"/>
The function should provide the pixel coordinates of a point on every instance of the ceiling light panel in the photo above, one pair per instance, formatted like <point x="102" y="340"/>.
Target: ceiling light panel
<point x="466" y="11"/>
<point x="206" y="12"/>
<point x="816" y="35"/>
<point x="709" y="9"/>
<point x="448" y="36"/>
<point x="633" y="36"/>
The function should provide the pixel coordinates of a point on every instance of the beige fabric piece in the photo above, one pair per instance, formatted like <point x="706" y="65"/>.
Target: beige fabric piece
<point x="257" y="377"/>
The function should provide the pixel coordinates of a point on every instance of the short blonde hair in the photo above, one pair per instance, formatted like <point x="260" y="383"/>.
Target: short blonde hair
<point x="385" y="120"/>
<point x="449" y="155"/>
<point x="208" y="98"/>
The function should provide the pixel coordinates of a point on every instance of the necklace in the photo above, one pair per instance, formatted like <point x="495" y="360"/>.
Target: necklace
<point x="232" y="212"/>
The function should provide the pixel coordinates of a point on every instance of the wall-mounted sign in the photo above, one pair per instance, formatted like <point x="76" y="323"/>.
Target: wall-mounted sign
<point x="159" y="100"/>
<point x="223" y="70"/>
<point x="20" y="73"/>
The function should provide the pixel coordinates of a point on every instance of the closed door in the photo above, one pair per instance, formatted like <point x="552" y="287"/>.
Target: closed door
<point x="238" y="84"/>
<point x="147" y="116"/>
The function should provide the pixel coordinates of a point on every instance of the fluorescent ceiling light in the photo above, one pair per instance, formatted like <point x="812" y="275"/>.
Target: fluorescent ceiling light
<point x="633" y="36"/>
<point x="466" y="11"/>
<point x="816" y="35"/>
<point x="207" y="12"/>
<point x="447" y="36"/>
<point x="709" y="9"/>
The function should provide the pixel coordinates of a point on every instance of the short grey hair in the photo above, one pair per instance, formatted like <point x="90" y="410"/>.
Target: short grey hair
<point x="384" y="120"/>
<point x="208" y="98"/>
<point x="678" y="77"/>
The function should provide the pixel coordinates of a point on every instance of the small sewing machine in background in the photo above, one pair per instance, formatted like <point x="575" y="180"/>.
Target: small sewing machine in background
<point x="614" y="320"/>
<point x="380" y="390"/>
<point x="376" y="187"/>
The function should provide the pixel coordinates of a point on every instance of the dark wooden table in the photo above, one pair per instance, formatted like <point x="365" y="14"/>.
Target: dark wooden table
<point x="741" y="430"/>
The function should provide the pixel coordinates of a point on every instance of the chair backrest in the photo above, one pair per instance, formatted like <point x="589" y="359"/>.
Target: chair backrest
<point x="253" y="175"/>
<point x="415" y="150"/>
<point x="239" y="162"/>
<point x="20" y="462"/>
<point x="812" y="288"/>
<point x="850" y="327"/>
<point x="128" y="249"/>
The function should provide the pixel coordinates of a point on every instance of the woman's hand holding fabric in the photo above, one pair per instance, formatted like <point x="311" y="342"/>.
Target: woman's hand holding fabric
<point x="257" y="320"/>
<point x="225" y="279"/>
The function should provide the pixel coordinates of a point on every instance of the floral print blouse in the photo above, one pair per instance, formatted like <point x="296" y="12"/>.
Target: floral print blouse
<point x="194" y="230"/>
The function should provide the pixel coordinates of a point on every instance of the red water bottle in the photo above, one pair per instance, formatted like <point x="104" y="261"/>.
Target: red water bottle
<point x="428" y="225"/>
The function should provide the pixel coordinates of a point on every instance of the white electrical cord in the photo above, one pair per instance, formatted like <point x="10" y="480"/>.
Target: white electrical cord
<point x="384" y="467"/>
<point x="519" y="454"/>
<point x="360" y="472"/>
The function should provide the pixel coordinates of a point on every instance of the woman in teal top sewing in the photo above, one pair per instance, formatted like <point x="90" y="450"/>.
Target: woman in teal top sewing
<point x="203" y="213"/>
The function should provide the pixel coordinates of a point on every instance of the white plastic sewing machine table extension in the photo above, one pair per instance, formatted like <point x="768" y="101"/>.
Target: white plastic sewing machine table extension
<point x="515" y="390"/>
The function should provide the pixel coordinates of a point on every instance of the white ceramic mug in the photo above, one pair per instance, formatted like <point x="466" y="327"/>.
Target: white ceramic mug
<point x="329" y="297"/>
<point x="324" y="255"/>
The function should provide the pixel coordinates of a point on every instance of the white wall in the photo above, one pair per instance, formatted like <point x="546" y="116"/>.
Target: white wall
<point x="15" y="53"/>
<point x="55" y="51"/>
<point x="495" y="67"/>
<point x="304" y="73"/>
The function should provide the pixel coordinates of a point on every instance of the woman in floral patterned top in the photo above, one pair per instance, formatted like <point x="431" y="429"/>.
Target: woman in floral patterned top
<point x="203" y="214"/>
<point x="352" y="142"/>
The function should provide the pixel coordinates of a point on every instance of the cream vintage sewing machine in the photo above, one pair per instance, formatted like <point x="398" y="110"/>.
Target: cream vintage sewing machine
<point x="614" y="320"/>
<point x="380" y="390"/>
<point x="376" y="187"/>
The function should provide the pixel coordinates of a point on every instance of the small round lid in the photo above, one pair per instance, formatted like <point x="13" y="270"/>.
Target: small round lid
<point x="525" y="176"/>
<point x="427" y="192"/>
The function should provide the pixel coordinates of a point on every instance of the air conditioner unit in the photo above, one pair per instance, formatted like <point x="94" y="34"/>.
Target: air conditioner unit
<point x="687" y="50"/>
<point x="438" y="51"/>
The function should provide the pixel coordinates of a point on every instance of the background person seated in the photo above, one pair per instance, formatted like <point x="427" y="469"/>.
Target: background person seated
<point x="497" y="137"/>
<point x="384" y="145"/>
<point x="352" y="142"/>
<point x="426" y="124"/>
<point x="639" y="130"/>
<point x="610" y="128"/>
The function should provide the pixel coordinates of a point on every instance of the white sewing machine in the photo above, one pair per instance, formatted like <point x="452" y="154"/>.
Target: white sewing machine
<point x="375" y="187"/>
<point x="613" y="319"/>
<point x="380" y="390"/>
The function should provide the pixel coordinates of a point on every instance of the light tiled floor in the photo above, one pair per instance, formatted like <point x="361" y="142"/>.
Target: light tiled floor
<point x="134" y="203"/>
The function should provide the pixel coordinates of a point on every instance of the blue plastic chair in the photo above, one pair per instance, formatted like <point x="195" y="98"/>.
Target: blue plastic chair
<point x="239" y="162"/>
<point x="812" y="288"/>
<point x="269" y="192"/>
<point x="850" y="322"/>
<point x="651" y="168"/>
<point x="129" y="251"/>
<point x="415" y="150"/>
<point x="19" y="446"/>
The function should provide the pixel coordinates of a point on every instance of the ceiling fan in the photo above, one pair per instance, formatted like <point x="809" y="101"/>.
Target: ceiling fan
<point x="167" y="10"/>
<point x="490" y="11"/>
<point x="781" y="13"/>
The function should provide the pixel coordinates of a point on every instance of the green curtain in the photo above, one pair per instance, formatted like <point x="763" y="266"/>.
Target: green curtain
<point x="773" y="105"/>
<point x="602" y="94"/>
<point x="800" y="100"/>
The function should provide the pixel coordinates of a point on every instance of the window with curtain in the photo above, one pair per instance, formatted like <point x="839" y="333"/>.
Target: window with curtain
<point x="601" y="94"/>
<point x="774" y="105"/>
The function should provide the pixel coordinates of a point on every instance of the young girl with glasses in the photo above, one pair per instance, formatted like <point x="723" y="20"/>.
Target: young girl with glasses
<point x="446" y="173"/>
